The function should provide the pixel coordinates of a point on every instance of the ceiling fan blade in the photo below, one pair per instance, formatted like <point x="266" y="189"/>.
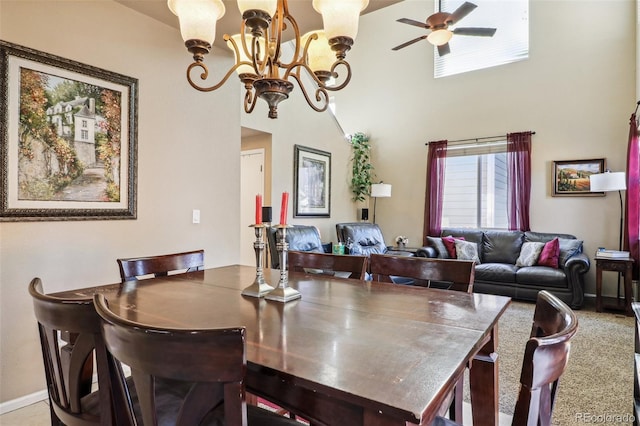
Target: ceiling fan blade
<point x="410" y="42"/>
<point x="413" y="22"/>
<point x="444" y="49"/>
<point x="482" y="32"/>
<point x="462" y="11"/>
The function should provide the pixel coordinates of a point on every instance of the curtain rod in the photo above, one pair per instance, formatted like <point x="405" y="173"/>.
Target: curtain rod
<point x="480" y="139"/>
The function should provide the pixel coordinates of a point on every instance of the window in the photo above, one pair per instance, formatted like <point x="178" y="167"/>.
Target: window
<point x="475" y="190"/>
<point x="84" y="123"/>
<point x="509" y="44"/>
<point x="84" y="134"/>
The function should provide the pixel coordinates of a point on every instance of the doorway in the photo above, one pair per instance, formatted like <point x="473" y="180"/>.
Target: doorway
<point x="251" y="183"/>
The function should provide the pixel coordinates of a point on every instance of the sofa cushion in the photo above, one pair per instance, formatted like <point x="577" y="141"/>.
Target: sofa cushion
<point x="501" y="246"/>
<point x="468" y="234"/>
<point x="497" y="272"/>
<point x="550" y="254"/>
<point x="544" y="237"/>
<point x="568" y="247"/>
<point x="466" y="250"/>
<point x="541" y="276"/>
<point x="436" y="243"/>
<point x="450" y="244"/>
<point x="529" y="254"/>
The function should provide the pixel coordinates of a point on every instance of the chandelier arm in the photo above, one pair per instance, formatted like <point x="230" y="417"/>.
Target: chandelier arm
<point x="322" y="97"/>
<point x="205" y="75"/>
<point x="297" y="40"/>
<point x="347" y="78"/>
<point x="249" y="100"/>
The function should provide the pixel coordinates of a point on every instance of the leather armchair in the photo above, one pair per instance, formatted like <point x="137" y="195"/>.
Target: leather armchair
<point x="365" y="238"/>
<point x="299" y="238"/>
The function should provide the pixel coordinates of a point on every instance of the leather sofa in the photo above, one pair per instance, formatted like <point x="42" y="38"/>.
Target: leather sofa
<point x="364" y="238"/>
<point x="499" y="252"/>
<point x="299" y="238"/>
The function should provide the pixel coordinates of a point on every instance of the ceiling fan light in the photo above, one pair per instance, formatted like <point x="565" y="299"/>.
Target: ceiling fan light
<point x="268" y="6"/>
<point x="340" y="17"/>
<point x="320" y="57"/>
<point x="197" y="18"/>
<point x="439" y="37"/>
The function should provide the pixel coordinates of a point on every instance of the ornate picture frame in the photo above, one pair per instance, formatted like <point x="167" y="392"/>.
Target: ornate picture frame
<point x="571" y="177"/>
<point x="68" y="144"/>
<point x="311" y="182"/>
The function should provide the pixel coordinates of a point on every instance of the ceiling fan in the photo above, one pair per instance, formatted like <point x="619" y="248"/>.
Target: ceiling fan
<point x="439" y="23"/>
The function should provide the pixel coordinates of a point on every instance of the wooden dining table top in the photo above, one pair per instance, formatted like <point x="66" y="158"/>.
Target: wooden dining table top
<point x="392" y="351"/>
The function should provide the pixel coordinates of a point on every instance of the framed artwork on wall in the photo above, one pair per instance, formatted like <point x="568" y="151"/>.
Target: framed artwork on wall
<point x="311" y="182"/>
<point x="571" y="177"/>
<point x="68" y="139"/>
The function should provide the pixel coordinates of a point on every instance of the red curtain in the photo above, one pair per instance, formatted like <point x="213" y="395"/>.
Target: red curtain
<point x="632" y="225"/>
<point x="519" y="179"/>
<point x="436" y="161"/>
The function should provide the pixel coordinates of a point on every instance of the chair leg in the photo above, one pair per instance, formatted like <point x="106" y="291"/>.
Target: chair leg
<point x="455" y="409"/>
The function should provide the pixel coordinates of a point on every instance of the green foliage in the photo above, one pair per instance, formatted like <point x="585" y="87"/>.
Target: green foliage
<point x="362" y="170"/>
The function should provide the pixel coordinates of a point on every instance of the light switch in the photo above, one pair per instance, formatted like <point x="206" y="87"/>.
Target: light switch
<point x="196" y="216"/>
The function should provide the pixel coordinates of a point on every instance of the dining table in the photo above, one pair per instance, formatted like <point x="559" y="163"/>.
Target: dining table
<point x="347" y="352"/>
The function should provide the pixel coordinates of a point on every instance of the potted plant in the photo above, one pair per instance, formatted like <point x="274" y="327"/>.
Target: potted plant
<point x="362" y="170"/>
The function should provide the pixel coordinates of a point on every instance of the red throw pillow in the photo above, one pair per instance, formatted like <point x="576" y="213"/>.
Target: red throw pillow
<point x="550" y="254"/>
<point x="450" y="244"/>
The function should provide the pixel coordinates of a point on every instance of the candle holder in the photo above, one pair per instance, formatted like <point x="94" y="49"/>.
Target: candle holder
<point x="283" y="293"/>
<point x="259" y="287"/>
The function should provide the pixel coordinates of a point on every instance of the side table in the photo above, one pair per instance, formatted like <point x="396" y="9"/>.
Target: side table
<point x="623" y="266"/>
<point x="404" y="249"/>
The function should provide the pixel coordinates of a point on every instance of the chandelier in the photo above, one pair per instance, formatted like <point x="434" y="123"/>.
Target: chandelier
<point x="257" y="48"/>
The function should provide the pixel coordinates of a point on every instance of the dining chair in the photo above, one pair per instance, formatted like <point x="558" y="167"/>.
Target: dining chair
<point x="545" y="359"/>
<point x="69" y="368"/>
<point x="160" y="266"/>
<point x="211" y="362"/>
<point x="457" y="275"/>
<point x="325" y="263"/>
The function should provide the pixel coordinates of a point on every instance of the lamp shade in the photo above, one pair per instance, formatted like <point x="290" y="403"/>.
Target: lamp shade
<point x="608" y="181"/>
<point x="268" y="6"/>
<point x="248" y="38"/>
<point x="380" y="190"/>
<point x="319" y="56"/>
<point x="197" y="18"/>
<point x="340" y="17"/>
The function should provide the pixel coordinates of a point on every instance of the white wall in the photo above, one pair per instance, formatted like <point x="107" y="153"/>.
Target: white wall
<point x="188" y="142"/>
<point x="576" y="90"/>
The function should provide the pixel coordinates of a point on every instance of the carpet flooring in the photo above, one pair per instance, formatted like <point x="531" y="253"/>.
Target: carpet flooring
<point x="598" y="380"/>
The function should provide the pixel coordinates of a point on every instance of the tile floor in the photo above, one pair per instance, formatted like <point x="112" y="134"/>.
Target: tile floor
<point x="38" y="415"/>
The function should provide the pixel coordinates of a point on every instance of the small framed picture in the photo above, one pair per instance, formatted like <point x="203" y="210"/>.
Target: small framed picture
<point x="311" y="182"/>
<point x="571" y="177"/>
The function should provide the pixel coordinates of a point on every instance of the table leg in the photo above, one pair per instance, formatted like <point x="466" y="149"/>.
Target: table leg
<point x="598" y="288"/>
<point x="627" y="290"/>
<point x="483" y="382"/>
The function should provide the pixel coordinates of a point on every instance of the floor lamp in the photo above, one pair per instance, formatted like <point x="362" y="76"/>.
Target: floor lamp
<point x="607" y="182"/>
<point x="379" y="190"/>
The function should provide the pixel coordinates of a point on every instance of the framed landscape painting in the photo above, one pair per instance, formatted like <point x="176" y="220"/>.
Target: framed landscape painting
<point x="68" y="139"/>
<point x="311" y="182"/>
<point x="571" y="178"/>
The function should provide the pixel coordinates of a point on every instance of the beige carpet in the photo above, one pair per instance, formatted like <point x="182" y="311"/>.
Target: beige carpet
<point x="599" y="378"/>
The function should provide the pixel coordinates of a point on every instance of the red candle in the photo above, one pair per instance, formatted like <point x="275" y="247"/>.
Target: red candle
<point x="258" y="209"/>
<point x="283" y="208"/>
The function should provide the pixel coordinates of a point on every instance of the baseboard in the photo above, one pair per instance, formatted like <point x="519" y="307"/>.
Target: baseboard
<point x="23" y="401"/>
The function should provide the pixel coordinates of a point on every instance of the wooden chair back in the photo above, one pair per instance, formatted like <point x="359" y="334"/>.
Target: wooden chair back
<point x="545" y="359"/>
<point x="160" y="266"/>
<point x="328" y="263"/>
<point x="459" y="273"/>
<point x="207" y="367"/>
<point x="69" y="368"/>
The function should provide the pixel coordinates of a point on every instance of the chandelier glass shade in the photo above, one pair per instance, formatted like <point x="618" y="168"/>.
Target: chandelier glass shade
<point x="257" y="48"/>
